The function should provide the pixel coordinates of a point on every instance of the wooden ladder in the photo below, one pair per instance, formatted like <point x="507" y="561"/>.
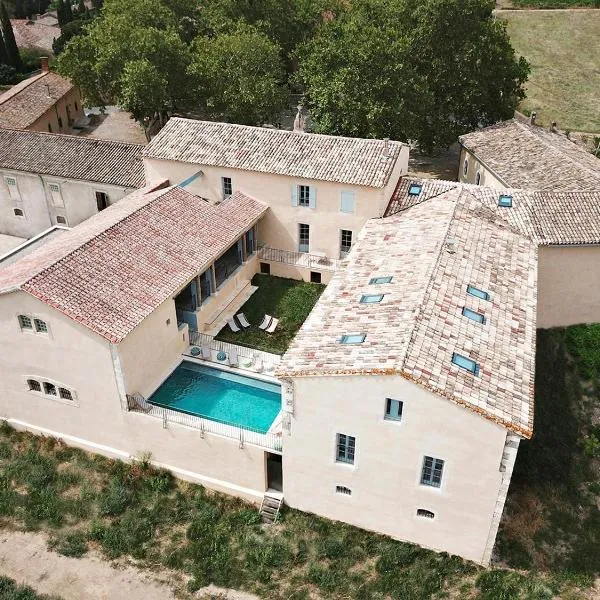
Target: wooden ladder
<point x="270" y="507"/>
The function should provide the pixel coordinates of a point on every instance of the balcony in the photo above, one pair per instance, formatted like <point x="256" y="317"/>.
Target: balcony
<point x="315" y="261"/>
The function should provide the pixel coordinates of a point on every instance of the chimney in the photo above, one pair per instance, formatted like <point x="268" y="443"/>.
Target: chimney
<point x="386" y="146"/>
<point x="533" y="117"/>
<point x="299" y="121"/>
<point x="44" y="64"/>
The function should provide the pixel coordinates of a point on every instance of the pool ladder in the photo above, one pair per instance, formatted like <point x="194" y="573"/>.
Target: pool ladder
<point x="270" y="507"/>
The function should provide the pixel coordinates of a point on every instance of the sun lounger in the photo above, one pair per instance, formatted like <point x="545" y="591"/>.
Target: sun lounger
<point x="137" y="402"/>
<point x="233" y="358"/>
<point x="258" y="364"/>
<point x="206" y="354"/>
<point x="232" y="325"/>
<point x="272" y="325"/>
<point x="265" y="322"/>
<point x="241" y="317"/>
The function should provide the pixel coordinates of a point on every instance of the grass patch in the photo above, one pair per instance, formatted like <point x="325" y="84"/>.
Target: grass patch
<point x="552" y="519"/>
<point x="287" y="299"/>
<point x="562" y="48"/>
<point x="11" y="590"/>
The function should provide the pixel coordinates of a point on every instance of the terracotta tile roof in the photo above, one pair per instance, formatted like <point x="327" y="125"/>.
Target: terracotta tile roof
<point x="433" y="250"/>
<point x="23" y="104"/>
<point x="330" y="158"/>
<point x="548" y="218"/>
<point x="111" y="271"/>
<point x="527" y="156"/>
<point x="38" y="34"/>
<point x="72" y="157"/>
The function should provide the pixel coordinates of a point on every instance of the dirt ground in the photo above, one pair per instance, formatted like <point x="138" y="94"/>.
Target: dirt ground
<point x="115" y="124"/>
<point x="25" y="558"/>
<point x="443" y="165"/>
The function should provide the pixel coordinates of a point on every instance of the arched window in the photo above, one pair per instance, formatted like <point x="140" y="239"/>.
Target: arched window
<point x="34" y="385"/>
<point x="65" y="394"/>
<point x="421" y="512"/>
<point x="477" y="177"/>
<point x="465" y="166"/>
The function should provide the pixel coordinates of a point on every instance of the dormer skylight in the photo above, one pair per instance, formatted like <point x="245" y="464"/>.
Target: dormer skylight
<point x="353" y="338"/>
<point x="465" y="363"/>
<point x="378" y="280"/>
<point x="473" y="291"/>
<point x="505" y="200"/>
<point x="415" y="189"/>
<point x="473" y="315"/>
<point x="371" y="298"/>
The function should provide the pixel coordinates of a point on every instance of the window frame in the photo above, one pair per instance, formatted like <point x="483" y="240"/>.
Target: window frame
<point x="505" y="201"/>
<point x="300" y="238"/>
<point x="22" y="319"/>
<point x="19" y="209"/>
<point x="64" y="220"/>
<point x="37" y="382"/>
<point x="346" y="337"/>
<point x="478" y="293"/>
<point x="465" y="166"/>
<point x="58" y="386"/>
<point x="226" y="182"/>
<point x="466" y="363"/>
<point x="40" y="325"/>
<point x="430" y="481"/>
<point x="474" y="315"/>
<point x="478" y="177"/>
<point x="349" y="445"/>
<point x="304" y="199"/>
<point x="381" y="280"/>
<point x="343" y="490"/>
<point x="345" y="232"/>
<point x="34" y="329"/>
<point x="387" y="416"/>
<point x="371" y="298"/>
<point x="13" y="188"/>
<point x="425" y="513"/>
<point x="347" y="197"/>
<point x="415" y="189"/>
<point x="56" y="195"/>
<point x="101" y="195"/>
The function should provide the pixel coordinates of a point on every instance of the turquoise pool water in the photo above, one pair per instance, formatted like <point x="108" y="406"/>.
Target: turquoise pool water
<point x="220" y="395"/>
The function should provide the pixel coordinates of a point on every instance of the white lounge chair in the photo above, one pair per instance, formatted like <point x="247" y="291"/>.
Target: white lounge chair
<point x="232" y="325"/>
<point x="258" y="364"/>
<point x="265" y="322"/>
<point x="233" y="358"/>
<point x="241" y="317"/>
<point x="272" y="325"/>
<point x="206" y="354"/>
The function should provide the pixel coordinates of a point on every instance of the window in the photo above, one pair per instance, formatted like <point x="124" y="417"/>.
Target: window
<point x="393" y="409"/>
<point x="18" y="212"/>
<point x="473" y="291"/>
<point x="353" y="338"/>
<point x="61" y="220"/>
<point x="25" y="322"/>
<point x="421" y="512"/>
<point x="465" y="363"/>
<point x="49" y="128"/>
<point x="347" y="202"/>
<point x="415" y="189"/>
<point x="473" y="315"/>
<point x="40" y="326"/>
<point x="65" y="394"/>
<point x="304" y="195"/>
<point x="346" y="447"/>
<point x="303" y="237"/>
<point x="315" y="277"/>
<point x="101" y="200"/>
<point x="59" y="123"/>
<point x="466" y="166"/>
<point x="478" y="178"/>
<point x="49" y="388"/>
<point x="250" y="242"/>
<point x="371" y="298"/>
<point x="265" y="268"/>
<point x="34" y="385"/>
<point x="345" y="243"/>
<point x="226" y="186"/>
<point x="378" y="280"/>
<point x="432" y="471"/>
<point x="13" y="189"/>
<point x="57" y="198"/>
<point x="505" y="200"/>
<point x="342" y="489"/>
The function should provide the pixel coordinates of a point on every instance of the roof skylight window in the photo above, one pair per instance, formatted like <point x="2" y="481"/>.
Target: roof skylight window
<point x="473" y="315"/>
<point x="353" y="338"/>
<point x="377" y="280"/>
<point x="465" y="363"/>
<point x="415" y="189"/>
<point x="371" y="298"/>
<point x="505" y="200"/>
<point x="473" y="291"/>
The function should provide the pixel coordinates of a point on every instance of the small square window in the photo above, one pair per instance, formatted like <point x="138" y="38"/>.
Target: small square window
<point x="265" y="268"/>
<point x="379" y="280"/>
<point x="40" y="326"/>
<point x="505" y="200"/>
<point x="34" y="385"/>
<point x="54" y="187"/>
<point x="415" y="189"/>
<point x="371" y="298"/>
<point x="25" y="322"/>
<point x="431" y="473"/>
<point x="473" y="315"/>
<point x="65" y="394"/>
<point x="473" y="291"/>
<point x="101" y="200"/>
<point x="346" y="447"/>
<point x="49" y="388"/>
<point x="61" y="220"/>
<point x="342" y="489"/>
<point x="11" y="181"/>
<point x="353" y="338"/>
<point x="393" y="409"/>
<point x="465" y="363"/>
<point x="18" y="212"/>
<point x="315" y="277"/>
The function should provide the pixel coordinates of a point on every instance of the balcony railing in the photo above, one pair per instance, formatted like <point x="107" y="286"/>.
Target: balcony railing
<point x="299" y="259"/>
<point x="244" y="435"/>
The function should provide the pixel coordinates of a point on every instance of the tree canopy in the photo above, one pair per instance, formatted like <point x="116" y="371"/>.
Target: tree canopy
<point x="425" y="70"/>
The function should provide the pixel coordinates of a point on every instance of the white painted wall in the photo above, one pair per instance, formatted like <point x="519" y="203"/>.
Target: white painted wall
<point x="385" y="479"/>
<point x="487" y="177"/>
<point x="78" y="197"/>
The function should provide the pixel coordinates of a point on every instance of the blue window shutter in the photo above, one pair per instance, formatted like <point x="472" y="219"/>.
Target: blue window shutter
<point x="294" y="195"/>
<point x="312" y="197"/>
<point x="347" y="203"/>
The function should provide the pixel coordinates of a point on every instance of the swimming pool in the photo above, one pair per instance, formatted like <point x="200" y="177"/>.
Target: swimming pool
<point x="220" y="395"/>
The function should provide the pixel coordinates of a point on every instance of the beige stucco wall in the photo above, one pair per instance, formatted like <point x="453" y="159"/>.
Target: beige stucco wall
<point x="75" y="358"/>
<point x="568" y="285"/>
<point x="67" y="106"/>
<point x="385" y="479"/>
<point x="488" y="178"/>
<point x="78" y="197"/>
<point x="279" y="228"/>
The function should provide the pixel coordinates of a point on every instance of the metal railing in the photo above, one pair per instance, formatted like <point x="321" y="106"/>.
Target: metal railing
<point x="243" y="435"/>
<point x="203" y="339"/>
<point x="299" y="259"/>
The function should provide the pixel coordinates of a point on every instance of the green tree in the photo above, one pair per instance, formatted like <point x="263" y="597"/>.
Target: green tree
<point x="81" y="9"/>
<point x="13" y="57"/>
<point x="239" y="75"/>
<point x="426" y="70"/>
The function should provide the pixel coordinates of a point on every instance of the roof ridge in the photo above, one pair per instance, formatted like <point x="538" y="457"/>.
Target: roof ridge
<point x="15" y="89"/>
<point x="72" y="136"/>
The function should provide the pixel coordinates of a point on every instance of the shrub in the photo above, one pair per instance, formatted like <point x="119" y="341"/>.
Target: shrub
<point x="115" y="499"/>
<point x="71" y="543"/>
<point x="8" y="74"/>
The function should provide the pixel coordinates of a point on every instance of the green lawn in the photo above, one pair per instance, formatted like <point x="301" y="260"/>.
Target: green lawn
<point x="11" y="590"/>
<point x="563" y="50"/>
<point x="287" y="299"/>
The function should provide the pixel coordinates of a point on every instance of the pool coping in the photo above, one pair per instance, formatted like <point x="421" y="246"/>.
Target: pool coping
<point x="245" y="372"/>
